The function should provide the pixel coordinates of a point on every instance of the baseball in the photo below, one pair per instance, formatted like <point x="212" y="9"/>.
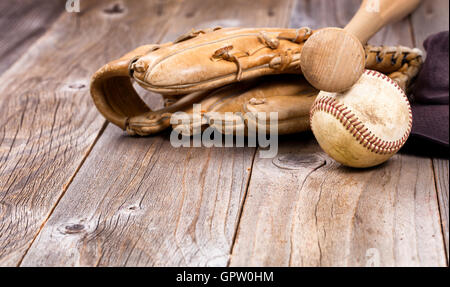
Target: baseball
<point x="365" y="125"/>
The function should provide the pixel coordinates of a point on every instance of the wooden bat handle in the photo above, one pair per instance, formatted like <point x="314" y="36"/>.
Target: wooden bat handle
<point x="375" y="14"/>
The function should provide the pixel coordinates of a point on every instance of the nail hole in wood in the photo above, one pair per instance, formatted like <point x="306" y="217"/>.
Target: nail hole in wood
<point x="190" y="14"/>
<point x="74" y="228"/>
<point x="77" y="86"/>
<point x="160" y="10"/>
<point x="115" y="9"/>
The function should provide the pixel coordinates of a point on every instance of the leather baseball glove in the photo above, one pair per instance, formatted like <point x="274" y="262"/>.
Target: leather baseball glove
<point x="225" y="70"/>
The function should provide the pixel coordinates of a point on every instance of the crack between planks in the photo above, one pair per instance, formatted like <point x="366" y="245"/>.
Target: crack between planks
<point x="100" y="133"/>
<point x="411" y="31"/>
<point x="32" y="45"/>
<point x="415" y="44"/>
<point x="64" y="190"/>
<point x="439" y="209"/>
<point x="233" y="243"/>
<point x="290" y="9"/>
<point x="172" y="15"/>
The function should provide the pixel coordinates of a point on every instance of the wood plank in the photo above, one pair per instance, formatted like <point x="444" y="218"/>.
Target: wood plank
<point x="433" y="17"/>
<point x="141" y="202"/>
<point x="317" y="14"/>
<point x="303" y="209"/>
<point x="146" y="203"/>
<point x="49" y="122"/>
<point x="21" y="24"/>
<point x="441" y="176"/>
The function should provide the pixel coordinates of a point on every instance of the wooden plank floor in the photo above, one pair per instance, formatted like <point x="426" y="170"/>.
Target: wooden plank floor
<point x="76" y="191"/>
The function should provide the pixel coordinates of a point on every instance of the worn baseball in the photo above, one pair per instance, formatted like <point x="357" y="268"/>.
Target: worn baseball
<point x="365" y="125"/>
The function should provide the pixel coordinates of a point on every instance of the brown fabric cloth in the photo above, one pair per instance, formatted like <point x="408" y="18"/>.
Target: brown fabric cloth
<point x="430" y="97"/>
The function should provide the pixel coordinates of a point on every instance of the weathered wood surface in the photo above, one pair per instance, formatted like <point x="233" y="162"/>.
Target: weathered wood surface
<point x="48" y="122"/>
<point x="21" y="24"/>
<point x="303" y="209"/>
<point x="139" y="201"/>
<point x="77" y="192"/>
<point x="441" y="177"/>
<point x="430" y="18"/>
<point x="318" y="14"/>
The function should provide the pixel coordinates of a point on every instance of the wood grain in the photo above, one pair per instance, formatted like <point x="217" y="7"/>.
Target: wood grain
<point x="147" y="204"/>
<point x="21" y="24"/>
<point x="141" y="202"/>
<point x="48" y="122"/>
<point x="320" y="14"/>
<point x="433" y="17"/>
<point x="430" y="18"/>
<point x="441" y="176"/>
<point x="303" y="209"/>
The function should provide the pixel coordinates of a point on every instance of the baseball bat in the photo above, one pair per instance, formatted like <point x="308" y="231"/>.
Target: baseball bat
<point x="333" y="59"/>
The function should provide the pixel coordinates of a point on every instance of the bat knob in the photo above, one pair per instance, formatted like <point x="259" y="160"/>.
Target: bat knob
<point x="332" y="60"/>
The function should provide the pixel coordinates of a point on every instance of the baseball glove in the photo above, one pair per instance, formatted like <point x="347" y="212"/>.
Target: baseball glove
<point x="291" y="96"/>
<point x="224" y="69"/>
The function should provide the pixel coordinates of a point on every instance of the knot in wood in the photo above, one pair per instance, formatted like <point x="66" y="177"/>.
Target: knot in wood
<point x="73" y="228"/>
<point x="115" y="9"/>
<point x="292" y="161"/>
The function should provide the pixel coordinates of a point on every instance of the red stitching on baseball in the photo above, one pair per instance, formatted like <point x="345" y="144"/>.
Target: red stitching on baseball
<point x="357" y="127"/>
